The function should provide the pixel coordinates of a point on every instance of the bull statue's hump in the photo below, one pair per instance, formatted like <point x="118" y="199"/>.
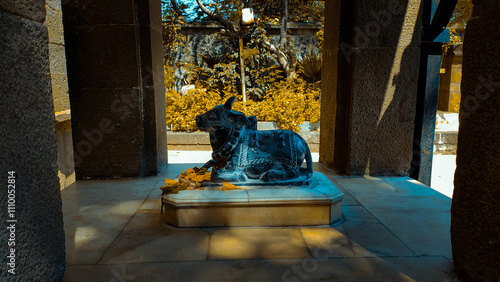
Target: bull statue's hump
<point x="241" y="153"/>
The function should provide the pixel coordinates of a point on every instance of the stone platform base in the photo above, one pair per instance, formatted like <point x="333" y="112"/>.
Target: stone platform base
<point x="317" y="204"/>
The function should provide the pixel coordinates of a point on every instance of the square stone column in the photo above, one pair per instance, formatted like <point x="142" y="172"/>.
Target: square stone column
<point x="115" y="75"/>
<point x="32" y="233"/>
<point x="370" y="69"/>
<point x="475" y="211"/>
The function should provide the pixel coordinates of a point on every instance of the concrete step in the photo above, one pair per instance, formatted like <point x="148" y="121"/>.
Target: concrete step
<point x="445" y="142"/>
<point x="446" y="134"/>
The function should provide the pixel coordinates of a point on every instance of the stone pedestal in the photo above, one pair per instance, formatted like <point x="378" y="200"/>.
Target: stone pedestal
<point x="317" y="204"/>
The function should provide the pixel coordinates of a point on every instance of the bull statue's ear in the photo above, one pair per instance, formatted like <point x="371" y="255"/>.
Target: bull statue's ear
<point x="229" y="103"/>
<point x="239" y="118"/>
<point x="253" y="122"/>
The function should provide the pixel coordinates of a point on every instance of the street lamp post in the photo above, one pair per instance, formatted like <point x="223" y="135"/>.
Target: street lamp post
<point x="242" y="66"/>
<point x="246" y="21"/>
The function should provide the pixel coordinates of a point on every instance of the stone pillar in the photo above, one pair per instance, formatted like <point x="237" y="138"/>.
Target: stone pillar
<point x="449" y="81"/>
<point x="475" y="212"/>
<point x="34" y="242"/>
<point x="60" y="95"/>
<point x="115" y="75"/>
<point x="370" y="65"/>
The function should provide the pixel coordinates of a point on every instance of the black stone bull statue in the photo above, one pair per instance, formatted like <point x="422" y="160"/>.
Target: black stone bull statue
<point x="241" y="153"/>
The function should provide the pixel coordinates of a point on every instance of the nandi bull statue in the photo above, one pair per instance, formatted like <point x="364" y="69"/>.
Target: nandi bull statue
<point x="241" y="153"/>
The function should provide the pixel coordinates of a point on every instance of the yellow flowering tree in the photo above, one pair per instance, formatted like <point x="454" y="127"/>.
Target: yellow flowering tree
<point x="183" y="109"/>
<point x="290" y="103"/>
<point x="461" y="15"/>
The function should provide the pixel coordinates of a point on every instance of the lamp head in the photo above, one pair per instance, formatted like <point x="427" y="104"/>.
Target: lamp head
<point x="247" y="16"/>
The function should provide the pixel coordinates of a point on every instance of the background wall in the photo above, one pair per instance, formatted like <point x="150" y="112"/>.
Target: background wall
<point x="200" y="38"/>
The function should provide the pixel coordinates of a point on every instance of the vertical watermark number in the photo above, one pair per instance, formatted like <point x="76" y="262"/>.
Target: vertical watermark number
<point x="11" y="221"/>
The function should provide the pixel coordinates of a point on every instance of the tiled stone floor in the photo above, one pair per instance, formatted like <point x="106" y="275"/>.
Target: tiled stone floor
<point x="394" y="229"/>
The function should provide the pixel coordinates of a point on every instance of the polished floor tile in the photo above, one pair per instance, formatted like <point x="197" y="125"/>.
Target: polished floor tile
<point x="257" y="243"/>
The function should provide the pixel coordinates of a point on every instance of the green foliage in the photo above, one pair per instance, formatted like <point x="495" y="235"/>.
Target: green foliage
<point x="268" y="11"/>
<point x="168" y="77"/>
<point x="320" y="36"/>
<point x="461" y="15"/>
<point x="290" y="103"/>
<point x="173" y="39"/>
<point x="183" y="109"/>
<point x="211" y="59"/>
<point x="220" y="72"/>
<point x="309" y="67"/>
<point x="229" y="9"/>
<point x="306" y="11"/>
<point x="261" y="67"/>
<point x="223" y="78"/>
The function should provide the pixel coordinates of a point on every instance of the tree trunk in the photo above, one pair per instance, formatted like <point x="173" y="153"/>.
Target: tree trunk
<point x="287" y="64"/>
<point x="176" y="9"/>
<point x="215" y="16"/>
<point x="284" y="23"/>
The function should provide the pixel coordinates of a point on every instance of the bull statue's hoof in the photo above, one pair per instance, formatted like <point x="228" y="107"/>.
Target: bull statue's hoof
<point x="241" y="153"/>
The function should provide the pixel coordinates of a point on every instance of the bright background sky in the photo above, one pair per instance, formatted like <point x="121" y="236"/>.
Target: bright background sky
<point x="190" y="14"/>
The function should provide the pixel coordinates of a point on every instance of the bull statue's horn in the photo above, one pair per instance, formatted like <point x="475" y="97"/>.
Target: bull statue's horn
<point x="229" y="103"/>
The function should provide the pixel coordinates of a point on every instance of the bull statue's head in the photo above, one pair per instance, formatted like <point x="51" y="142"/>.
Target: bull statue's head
<point x="223" y="117"/>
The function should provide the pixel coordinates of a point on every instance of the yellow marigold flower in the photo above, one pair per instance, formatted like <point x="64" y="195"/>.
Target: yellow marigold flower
<point x="190" y="177"/>
<point x="198" y="178"/>
<point x="170" y="182"/>
<point x="208" y="176"/>
<point x="188" y="180"/>
<point x="228" y="186"/>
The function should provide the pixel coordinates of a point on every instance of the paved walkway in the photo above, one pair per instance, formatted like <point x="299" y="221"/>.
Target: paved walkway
<point x="395" y="229"/>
